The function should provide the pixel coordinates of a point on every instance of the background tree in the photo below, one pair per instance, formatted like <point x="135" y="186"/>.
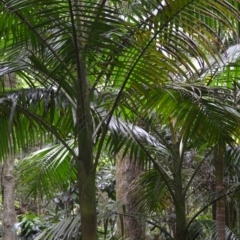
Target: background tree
<point x="8" y="178"/>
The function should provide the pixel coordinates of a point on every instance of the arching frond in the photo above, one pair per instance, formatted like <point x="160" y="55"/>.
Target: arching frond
<point x="46" y="170"/>
<point x="33" y="115"/>
<point x="68" y="228"/>
<point x="208" y="228"/>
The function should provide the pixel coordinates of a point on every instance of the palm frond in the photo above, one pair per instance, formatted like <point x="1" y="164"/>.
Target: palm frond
<point x="207" y="229"/>
<point x="154" y="197"/>
<point x="67" y="228"/>
<point x="34" y="111"/>
<point x="216" y="117"/>
<point x="46" y="170"/>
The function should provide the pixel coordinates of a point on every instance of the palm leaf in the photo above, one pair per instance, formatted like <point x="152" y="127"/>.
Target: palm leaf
<point x="154" y="197"/>
<point x="208" y="229"/>
<point x="67" y="228"/>
<point x="46" y="170"/>
<point x="33" y="110"/>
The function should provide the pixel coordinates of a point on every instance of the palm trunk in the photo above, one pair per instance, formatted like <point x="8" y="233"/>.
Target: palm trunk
<point x="8" y="184"/>
<point x="87" y="204"/>
<point x="220" y="208"/>
<point x="86" y="170"/>
<point x="214" y="206"/>
<point x="181" y="233"/>
<point x="126" y="172"/>
<point x="84" y="162"/>
<point x="180" y="205"/>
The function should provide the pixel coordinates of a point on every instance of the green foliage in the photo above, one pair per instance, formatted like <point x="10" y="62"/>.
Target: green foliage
<point x="30" y="225"/>
<point x="144" y="62"/>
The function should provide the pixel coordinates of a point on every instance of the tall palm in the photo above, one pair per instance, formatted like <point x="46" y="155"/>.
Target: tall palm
<point x="192" y="123"/>
<point x="82" y="47"/>
<point x="217" y="126"/>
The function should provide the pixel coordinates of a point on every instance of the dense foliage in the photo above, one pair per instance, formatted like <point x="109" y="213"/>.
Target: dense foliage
<point x="156" y="81"/>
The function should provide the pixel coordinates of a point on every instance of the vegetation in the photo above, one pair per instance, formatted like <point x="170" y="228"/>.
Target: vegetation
<point x="153" y="84"/>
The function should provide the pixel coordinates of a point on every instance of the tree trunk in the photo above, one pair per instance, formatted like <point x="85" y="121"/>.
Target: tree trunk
<point x="126" y="172"/>
<point x="179" y="202"/>
<point x="86" y="169"/>
<point x="84" y="162"/>
<point x="181" y="233"/>
<point x="87" y="204"/>
<point x="9" y="216"/>
<point x="8" y="182"/>
<point x="219" y="172"/>
<point x="214" y="207"/>
<point x="85" y="166"/>
<point x="180" y="205"/>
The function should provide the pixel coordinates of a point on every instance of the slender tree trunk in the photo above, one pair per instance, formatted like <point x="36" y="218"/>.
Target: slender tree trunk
<point x="180" y="205"/>
<point x="214" y="207"/>
<point x="84" y="162"/>
<point x="85" y="167"/>
<point x="220" y="208"/>
<point x="227" y="214"/>
<point x="87" y="204"/>
<point x="9" y="216"/>
<point x="237" y="218"/>
<point x="181" y="233"/>
<point x="8" y="183"/>
<point x="126" y="172"/>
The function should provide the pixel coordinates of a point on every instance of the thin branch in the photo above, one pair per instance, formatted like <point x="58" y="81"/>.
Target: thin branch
<point x="101" y="193"/>
<point x="196" y="170"/>
<point x="209" y="204"/>
<point x="162" y="174"/>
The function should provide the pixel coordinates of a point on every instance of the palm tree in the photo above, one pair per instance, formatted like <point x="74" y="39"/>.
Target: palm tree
<point x="96" y="51"/>
<point x="187" y="131"/>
